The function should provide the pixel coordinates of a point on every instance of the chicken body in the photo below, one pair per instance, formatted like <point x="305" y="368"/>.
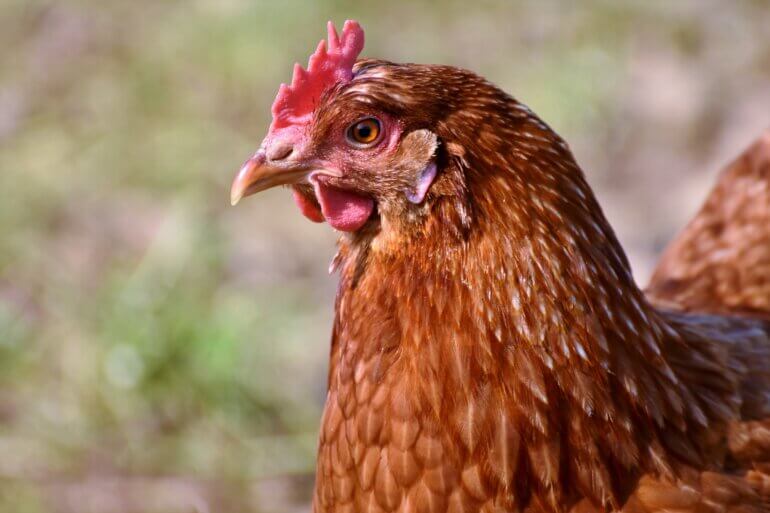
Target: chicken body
<point x="490" y="350"/>
<point x="494" y="354"/>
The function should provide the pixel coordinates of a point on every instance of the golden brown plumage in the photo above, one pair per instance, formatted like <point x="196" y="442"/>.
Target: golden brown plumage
<point x="490" y="350"/>
<point x="721" y="261"/>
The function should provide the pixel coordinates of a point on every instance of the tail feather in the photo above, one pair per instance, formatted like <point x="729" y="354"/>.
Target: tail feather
<point x="720" y="263"/>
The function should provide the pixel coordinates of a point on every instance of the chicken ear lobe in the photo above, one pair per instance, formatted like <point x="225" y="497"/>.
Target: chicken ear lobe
<point x="417" y="193"/>
<point x="416" y="157"/>
<point x="439" y="168"/>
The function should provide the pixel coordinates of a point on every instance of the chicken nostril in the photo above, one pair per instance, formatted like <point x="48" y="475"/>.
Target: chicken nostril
<point x="280" y="151"/>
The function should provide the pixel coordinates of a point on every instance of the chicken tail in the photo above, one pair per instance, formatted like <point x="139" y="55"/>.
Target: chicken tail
<point x="720" y="262"/>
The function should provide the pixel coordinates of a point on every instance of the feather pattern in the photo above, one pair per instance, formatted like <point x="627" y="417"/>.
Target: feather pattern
<point x="490" y="349"/>
<point x="514" y="364"/>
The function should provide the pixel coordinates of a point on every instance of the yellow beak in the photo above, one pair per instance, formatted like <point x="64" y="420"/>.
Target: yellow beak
<point x="257" y="175"/>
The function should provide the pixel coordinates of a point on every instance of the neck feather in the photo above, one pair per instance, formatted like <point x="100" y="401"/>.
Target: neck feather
<point x="524" y="332"/>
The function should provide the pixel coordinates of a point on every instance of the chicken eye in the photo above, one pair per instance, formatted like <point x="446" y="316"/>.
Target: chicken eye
<point x="364" y="133"/>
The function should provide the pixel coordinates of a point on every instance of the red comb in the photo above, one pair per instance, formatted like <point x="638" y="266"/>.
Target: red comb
<point x="294" y="103"/>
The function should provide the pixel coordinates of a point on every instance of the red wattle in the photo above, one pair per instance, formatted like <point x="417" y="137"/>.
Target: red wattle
<point x="343" y="210"/>
<point x="307" y="206"/>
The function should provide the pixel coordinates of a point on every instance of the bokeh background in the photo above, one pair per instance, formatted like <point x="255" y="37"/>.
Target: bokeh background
<point x="163" y="352"/>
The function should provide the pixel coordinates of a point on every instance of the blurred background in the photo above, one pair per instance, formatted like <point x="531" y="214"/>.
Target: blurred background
<point x="163" y="352"/>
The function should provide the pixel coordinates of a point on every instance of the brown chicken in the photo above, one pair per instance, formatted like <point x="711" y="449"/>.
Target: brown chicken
<point x="491" y="351"/>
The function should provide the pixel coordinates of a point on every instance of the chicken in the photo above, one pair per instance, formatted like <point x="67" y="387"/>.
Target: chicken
<point x="721" y="261"/>
<point x="490" y="350"/>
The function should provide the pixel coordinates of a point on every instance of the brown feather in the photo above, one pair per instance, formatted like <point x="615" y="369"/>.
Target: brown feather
<point x="721" y="261"/>
<point x="491" y="351"/>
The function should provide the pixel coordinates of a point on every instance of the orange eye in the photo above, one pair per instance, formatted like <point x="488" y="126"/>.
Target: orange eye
<point x="364" y="132"/>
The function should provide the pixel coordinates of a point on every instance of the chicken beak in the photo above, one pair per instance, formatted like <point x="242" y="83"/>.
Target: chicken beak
<point x="257" y="174"/>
